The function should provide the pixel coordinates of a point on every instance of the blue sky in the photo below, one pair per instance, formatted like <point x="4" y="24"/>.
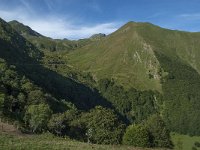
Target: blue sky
<point x="74" y="19"/>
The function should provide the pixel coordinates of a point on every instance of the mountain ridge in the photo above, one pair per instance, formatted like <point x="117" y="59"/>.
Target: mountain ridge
<point x="23" y="29"/>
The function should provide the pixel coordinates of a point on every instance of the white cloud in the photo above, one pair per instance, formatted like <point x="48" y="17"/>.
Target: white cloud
<point x="62" y="29"/>
<point x="55" y="27"/>
<point x="10" y="15"/>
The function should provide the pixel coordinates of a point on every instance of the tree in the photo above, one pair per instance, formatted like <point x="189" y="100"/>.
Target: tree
<point x="37" y="117"/>
<point x="21" y="100"/>
<point x="136" y="135"/>
<point x="1" y="102"/>
<point x="103" y="126"/>
<point x="36" y="97"/>
<point x="61" y="123"/>
<point x="160" y="135"/>
<point x="56" y="123"/>
<point x="197" y="144"/>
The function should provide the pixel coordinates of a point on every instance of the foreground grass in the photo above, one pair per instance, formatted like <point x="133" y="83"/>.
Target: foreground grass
<point x="50" y="142"/>
<point x="184" y="142"/>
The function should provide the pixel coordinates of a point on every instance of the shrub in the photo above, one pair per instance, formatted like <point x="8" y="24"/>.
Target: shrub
<point x="103" y="126"/>
<point x="37" y="117"/>
<point x="160" y="135"/>
<point x="197" y="144"/>
<point x="136" y="135"/>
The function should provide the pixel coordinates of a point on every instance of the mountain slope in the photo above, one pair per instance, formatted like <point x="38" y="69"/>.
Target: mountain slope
<point x="123" y="56"/>
<point x="24" y="30"/>
<point x="139" y="70"/>
<point x="174" y="44"/>
<point x="14" y="48"/>
<point x="16" y="51"/>
<point x="147" y="57"/>
<point x="45" y="43"/>
<point x="128" y="55"/>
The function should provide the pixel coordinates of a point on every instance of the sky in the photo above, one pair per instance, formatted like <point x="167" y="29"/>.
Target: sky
<point x="76" y="19"/>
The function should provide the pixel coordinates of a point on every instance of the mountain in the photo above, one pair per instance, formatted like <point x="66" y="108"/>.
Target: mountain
<point x="129" y="55"/>
<point x="122" y="56"/>
<point x="147" y="57"/>
<point x="33" y="63"/>
<point x="24" y="30"/>
<point x="97" y="36"/>
<point x="19" y="69"/>
<point x="138" y="71"/>
<point x="15" y="48"/>
<point x="45" y="43"/>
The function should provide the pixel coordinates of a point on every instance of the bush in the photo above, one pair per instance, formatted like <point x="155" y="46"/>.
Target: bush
<point x="102" y="126"/>
<point x="63" y="124"/>
<point x="56" y="123"/>
<point x="37" y="117"/>
<point x="194" y="148"/>
<point x="160" y="135"/>
<point x="136" y="135"/>
<point x="197" y="144"/>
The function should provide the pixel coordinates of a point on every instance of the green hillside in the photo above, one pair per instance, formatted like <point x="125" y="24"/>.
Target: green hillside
<point x="123" y="56"/>
<point x="50" y="142"/>
<point x="186" y="142"/>
<point x="128" y="55"/>
<point x="147" y="57"/>
<point x="140" y="82"/>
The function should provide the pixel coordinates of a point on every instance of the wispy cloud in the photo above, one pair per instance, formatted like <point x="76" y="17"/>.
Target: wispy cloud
<point x="192" y="16"/>
<point x="49" y="4"/>
<point x="156" y="15"/>
<point x="95" y="6"/>
<point x="26" y="6"/>
<point x="55" y="27"/>
<point x="62" y="29"/>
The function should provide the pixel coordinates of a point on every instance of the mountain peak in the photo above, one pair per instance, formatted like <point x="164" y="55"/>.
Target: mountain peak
<point x="134" y="24"/>
<point x="98" y="36"/>
<point x="23" y="29"/>
<point x="15" y="22"/>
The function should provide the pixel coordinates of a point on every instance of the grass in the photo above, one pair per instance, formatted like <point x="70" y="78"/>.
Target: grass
<point x="16" y="141"/>
<point x="50" y="142"/>
<point x="122" y="56"/>
<point x="184" y="142"/>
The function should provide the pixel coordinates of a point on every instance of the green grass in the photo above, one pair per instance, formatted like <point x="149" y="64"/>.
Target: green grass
<point x="123" y="56"/>
<point x="128" y="55"/>
<point x="184" y="142"/>
<point x="49" y="142"/>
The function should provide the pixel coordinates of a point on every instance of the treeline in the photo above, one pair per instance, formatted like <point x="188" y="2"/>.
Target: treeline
<point x="181" y="96"/>
<point x="134" y="105"/>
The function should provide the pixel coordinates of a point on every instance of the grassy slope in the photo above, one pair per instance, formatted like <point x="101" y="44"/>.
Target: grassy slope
<point x="128" y="55"/>
<point x="50" y="142"/>
<point x="17" y="141"/>
<point x="185" y="141"/>
<point x="174" y="44"/>
<point x="123" y="56"/>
